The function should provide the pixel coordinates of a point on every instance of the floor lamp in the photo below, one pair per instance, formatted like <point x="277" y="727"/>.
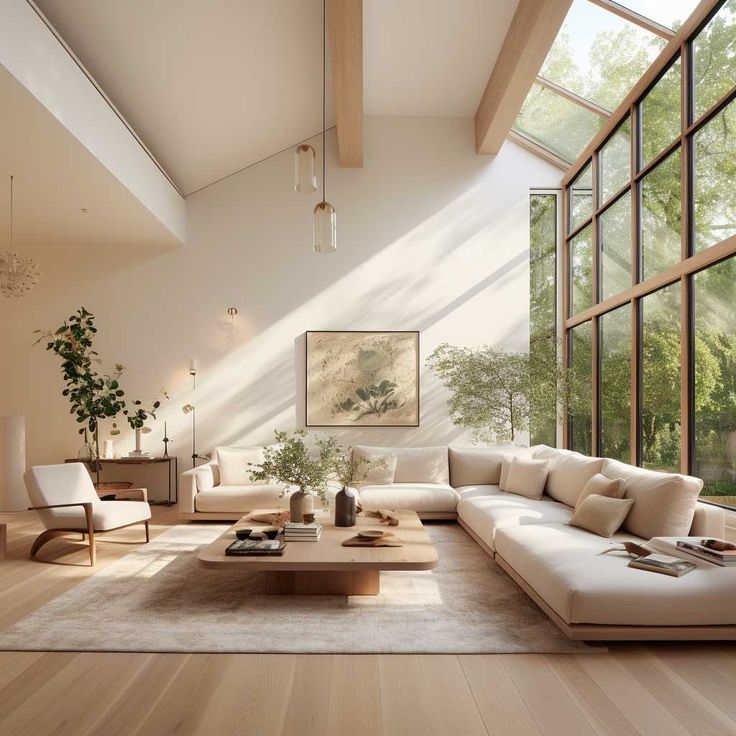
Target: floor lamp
<point x="13" y="496"/>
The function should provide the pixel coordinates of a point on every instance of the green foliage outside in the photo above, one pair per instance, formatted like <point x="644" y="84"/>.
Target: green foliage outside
<point x="616" y="62"/>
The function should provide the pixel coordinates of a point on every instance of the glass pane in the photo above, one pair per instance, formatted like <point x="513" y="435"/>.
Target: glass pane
<point x="542" y="315"/>
<point x="616" y="247"/>
<point x="660" y="114"/>
<point x="715" y="381"/>
<point x="715" y="170"/>
<point x="615" y="398"/>
<point x="581" y="364"/>
<point x="660" y="216"/>
<point x="714" y="59"/>
<point x="581" y="265"/>
<point x="556" y="123"/>
<point x="581" y="193"/>
<point x="599" y="55"/>
<point x="615" y="162"/>
<point x="660" y="391"/>
<point x="669" y="13"/>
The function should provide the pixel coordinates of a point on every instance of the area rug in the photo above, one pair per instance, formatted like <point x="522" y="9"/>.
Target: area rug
<point x="158" y="599"/>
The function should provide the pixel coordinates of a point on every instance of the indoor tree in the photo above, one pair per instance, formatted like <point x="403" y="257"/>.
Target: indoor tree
<point x="93" y="396"/>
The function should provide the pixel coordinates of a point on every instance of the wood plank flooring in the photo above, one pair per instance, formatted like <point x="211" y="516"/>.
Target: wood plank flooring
<point x="657" y="689"/>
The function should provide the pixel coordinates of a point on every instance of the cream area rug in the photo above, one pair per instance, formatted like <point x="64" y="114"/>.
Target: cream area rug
<point x="158" y="599"/>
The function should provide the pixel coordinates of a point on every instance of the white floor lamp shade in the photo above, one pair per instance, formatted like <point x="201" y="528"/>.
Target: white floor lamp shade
<point x="13" y="496"/>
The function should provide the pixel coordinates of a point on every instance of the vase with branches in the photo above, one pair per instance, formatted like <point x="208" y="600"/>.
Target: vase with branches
<point x="93" y="396"/>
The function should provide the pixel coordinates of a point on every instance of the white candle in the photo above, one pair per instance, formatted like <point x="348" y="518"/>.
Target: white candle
<point x="193" y="366"/>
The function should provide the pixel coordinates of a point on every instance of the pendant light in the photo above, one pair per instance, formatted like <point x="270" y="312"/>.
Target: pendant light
<point x="305" y="178"/>
<point x="325" y="217"/>
<point x="18" y="274"/>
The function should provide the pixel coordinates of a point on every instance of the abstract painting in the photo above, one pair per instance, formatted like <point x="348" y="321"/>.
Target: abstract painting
<point x="362" y="379"/>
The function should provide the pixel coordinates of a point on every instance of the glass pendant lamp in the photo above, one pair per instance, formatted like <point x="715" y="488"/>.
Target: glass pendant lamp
<point x="305" y="178"/>
<point x="325" y="217"/>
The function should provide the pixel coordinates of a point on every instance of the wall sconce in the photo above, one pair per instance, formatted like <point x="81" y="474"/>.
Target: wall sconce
<point x="232" y="312"/>
<point x="193" y="371"/>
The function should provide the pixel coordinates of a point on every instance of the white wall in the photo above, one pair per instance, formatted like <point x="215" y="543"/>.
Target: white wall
<point x="431" y="237"/>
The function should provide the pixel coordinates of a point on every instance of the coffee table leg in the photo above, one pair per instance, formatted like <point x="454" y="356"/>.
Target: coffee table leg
<point x="348" y="582"/>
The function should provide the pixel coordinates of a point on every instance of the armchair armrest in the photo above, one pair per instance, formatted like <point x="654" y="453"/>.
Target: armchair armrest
<point x="86" y="505"/>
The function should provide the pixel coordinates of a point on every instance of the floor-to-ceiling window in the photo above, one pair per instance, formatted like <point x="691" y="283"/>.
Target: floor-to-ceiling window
<point x="543" y="230"/>
<point x="650" y="266"/>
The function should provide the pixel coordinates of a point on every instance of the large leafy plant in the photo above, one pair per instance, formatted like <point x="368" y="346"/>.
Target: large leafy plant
<point x="93" y="396"/>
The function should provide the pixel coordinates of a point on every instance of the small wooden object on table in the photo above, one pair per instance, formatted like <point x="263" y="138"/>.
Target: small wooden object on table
<point x="327" y="567"/>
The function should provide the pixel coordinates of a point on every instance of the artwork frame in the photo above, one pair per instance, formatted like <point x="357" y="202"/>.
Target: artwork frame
<point x="339" y="360"/>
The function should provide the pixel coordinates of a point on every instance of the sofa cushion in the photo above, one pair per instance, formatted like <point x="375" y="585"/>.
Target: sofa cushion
<point x="601" y="515"/>
<point x="471" y="466"/>
<point x="419" y="497"/>
<point x="105" y="515"/>
<point x="569" y="472"/>
<point x="382" y="472"/>
<point x="563" y="565"/>
<point x="599" y="485"/>
<point x="475" y="491"/>
<point x="527" y="477"/>
<point x="240" y="498"/>
<point x="485" y="514"/>
<point x="414" y="464"/>
<point x="664" y="503"/>
<point x="233" y="464"/>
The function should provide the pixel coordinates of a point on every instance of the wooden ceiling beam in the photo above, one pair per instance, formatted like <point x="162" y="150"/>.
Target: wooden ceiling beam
<point x="345" y="24"/>
<point x="531" y="34"/>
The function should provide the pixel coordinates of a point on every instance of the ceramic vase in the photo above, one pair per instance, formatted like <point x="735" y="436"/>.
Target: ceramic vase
<point x="300" y="503"/>
<point x="345" y="507"/>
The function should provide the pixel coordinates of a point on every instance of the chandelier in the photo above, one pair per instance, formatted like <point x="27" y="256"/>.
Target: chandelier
<point x="18" y="274"/>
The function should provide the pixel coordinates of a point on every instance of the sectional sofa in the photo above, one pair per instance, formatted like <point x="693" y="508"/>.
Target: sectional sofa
<point x="589" y="595"/>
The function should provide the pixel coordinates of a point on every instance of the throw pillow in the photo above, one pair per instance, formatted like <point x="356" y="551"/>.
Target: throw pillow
<point x="503" y="477"/>
<point x="233" y="464"/>
<point x="599" y="485"/>
<point x="527" y="477"/>
<point x="379" y="474"/>
<point x="601" y="515"/>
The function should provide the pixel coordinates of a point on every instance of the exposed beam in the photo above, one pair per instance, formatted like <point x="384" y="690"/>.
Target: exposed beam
<point x="530" y="36"/>
<point x="636" y="18"/>
<point x="537" y="150"/>
<point x="581" y="101"/>
<point x="345" y="23"/>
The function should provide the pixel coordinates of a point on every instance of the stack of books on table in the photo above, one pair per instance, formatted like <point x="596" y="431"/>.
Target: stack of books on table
<point x="297" y="532"/>
<point x="695" y="547"/>
<point x="255" y="547"/>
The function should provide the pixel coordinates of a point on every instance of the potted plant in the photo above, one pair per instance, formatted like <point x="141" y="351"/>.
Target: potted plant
<point x="292" y="464"/>
<point x="93" y="396"/>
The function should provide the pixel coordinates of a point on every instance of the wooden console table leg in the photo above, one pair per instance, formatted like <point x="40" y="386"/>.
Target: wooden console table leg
<point x="3" y="541"/>
<point x="348" y="582"/>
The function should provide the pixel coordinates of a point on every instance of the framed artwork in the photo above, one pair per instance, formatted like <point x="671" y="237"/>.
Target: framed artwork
<point x="362" y="379"/>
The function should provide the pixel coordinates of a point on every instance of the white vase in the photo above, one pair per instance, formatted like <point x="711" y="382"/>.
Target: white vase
<point x="300" y="503"/>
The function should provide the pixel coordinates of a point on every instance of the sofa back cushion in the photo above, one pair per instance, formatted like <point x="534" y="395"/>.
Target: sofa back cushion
<point x="664" y="503"/>
<point x="526" y="477"/>
<point x="382" y="471"/>
<point x="479" y="466"/>
<point x="233" y="464"/>
<point x="569" y="472"/>
<point x="414" y="464"/>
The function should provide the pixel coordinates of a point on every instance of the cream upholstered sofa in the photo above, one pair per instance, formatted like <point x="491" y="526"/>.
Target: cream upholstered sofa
<point x="588" y="595"/>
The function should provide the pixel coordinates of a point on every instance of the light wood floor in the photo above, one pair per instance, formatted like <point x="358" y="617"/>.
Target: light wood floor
<point x="667" y="690"/>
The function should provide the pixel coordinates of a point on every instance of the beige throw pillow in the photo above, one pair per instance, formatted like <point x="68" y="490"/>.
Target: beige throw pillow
<point x="380" y="473"/>
<point x="599" y="485"/>
<point x="233" y="464"/>
<point x="503" y="477"/>
<point x="601" y="515"/>
<point x="527" y="477"/>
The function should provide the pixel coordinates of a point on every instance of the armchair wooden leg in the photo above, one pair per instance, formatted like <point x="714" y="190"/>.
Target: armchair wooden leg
<point x="91" y="532"/>
<point x="148" y="539"/>
<point x="44" y="537"/>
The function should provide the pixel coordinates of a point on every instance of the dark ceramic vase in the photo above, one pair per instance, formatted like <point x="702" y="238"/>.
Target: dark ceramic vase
<point x="345" y="508"/>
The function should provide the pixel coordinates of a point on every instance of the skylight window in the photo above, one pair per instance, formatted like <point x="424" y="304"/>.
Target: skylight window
<point x="598" y="56"/>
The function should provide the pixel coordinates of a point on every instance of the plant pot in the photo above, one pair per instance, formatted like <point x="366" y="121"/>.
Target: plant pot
<point x="345" y="507"/>
<point x="300" y="503"/>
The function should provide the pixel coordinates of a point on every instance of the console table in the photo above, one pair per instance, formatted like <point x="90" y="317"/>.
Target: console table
<point x="172" y="462"/>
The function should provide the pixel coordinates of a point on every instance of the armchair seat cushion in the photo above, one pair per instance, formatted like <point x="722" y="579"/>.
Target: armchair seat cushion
<point x="106" y="515"/>
<point x="243" y="498"/>
<point x="420" y="497"/>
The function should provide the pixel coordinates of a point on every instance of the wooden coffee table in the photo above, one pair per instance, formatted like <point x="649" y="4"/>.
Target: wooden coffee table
<point x="326" y="567"/>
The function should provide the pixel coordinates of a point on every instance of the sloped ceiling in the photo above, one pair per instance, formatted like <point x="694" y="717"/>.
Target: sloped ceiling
<point x="214" y="86"/>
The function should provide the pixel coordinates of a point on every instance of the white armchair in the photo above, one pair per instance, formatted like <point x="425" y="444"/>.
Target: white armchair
<point x="66" y="501"/>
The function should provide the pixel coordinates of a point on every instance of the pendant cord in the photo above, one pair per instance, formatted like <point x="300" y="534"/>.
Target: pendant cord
<point x="324" y="87"/>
